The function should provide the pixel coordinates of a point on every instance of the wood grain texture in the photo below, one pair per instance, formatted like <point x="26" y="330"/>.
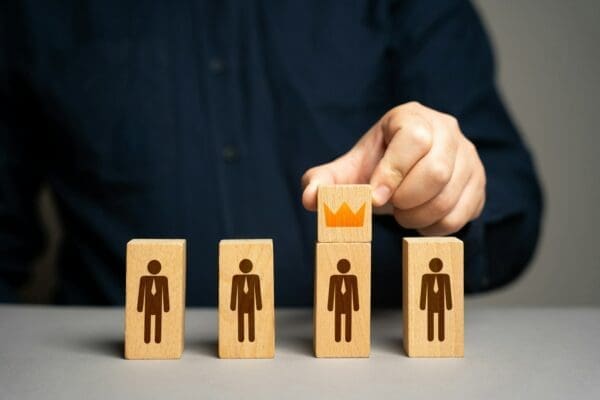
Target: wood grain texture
<point x="424" y="286"/>
<point x="144" y="285"/>
<point x="344" y="205"/>
<point x="328" y="289"/>
<point x="240" y="286"/>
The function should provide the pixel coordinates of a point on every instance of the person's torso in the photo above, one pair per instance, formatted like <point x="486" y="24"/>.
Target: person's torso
<point x="197" y="121"/>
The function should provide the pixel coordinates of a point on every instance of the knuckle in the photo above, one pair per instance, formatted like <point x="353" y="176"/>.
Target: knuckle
<point x="399" y="113"/>
<point x="408" y="106"/>
<point x="394" y="123"/>
<point x="411" y="107"/>
<point x="414" y="105"/>
<point x="452" y="122"/>
<point x="471" y="148"/>
<point x="440" y="173"/>
<point x="421" y="137"/>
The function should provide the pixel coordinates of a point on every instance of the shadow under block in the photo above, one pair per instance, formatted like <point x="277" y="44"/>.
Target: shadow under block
<point x="342" y="289"/>
<point x="433" y="303"/>
<point x="344" y="213"/>
<point x="155" y="299"/>
<point x="246" y="299"/>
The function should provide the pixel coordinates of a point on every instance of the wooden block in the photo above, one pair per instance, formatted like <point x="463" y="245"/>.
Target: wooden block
<point x="342" y="325"/>
<point x="155" y="299"/>
<point x="246" y="299"/>
<point x="344" y="213"/>
<point x="433" y="303"/>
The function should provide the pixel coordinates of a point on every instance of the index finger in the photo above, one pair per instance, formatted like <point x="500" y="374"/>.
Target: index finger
<point x="409" y="138"/>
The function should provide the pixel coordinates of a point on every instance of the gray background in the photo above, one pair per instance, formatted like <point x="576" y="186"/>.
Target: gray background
<point x="548" y="56"/>
<point x="548" y="60"/>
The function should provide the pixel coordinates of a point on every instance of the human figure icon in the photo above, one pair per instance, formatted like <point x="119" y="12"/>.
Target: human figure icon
<point x="153" y="300"/>
<point x="246" y="298"/>
<point x="436" y="297"/>
<point x="343" y="299"/>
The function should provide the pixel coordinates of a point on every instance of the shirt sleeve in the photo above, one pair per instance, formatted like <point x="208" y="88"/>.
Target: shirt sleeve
<point x="442" y="58"/>
<point x="21" y="155"/>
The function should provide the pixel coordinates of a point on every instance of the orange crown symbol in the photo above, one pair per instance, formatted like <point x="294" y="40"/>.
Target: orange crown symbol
<point x="344" y="217"/>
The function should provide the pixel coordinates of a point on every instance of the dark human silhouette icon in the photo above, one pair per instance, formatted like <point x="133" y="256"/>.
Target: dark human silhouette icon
<point x="153" y="299"/>
<point x="246" y="298"/>
<point x="436" y="296"/>
<point x="343" y="299"/>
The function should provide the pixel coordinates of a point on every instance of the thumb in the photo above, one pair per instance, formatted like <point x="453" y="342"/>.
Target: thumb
<point x="354" y="167"/>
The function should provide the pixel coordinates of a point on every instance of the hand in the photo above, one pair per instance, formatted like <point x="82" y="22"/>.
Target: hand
<point x="423" y="170"/>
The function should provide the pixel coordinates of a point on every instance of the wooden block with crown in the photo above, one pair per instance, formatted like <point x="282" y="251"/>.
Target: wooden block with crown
<point x="344" y="213"/>
<point x="433" y="303"/>
<point x="155" y="299"/>
<point x="246" y="299"/>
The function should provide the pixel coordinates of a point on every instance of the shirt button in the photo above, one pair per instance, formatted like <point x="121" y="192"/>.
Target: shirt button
<point x="216" y="65"/>
<point x="230" y="154"/>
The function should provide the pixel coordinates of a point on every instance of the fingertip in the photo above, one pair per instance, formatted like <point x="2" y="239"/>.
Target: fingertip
<point x="309" y="196"/>
<point x="381" y="195"/>
<point x="311" y="181"/>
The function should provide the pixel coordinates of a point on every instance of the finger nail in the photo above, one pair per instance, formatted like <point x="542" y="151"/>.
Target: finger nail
<point x="381" y="194"/>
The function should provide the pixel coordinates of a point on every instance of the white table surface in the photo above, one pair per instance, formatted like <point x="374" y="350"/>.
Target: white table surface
<point x="77" y="353"/>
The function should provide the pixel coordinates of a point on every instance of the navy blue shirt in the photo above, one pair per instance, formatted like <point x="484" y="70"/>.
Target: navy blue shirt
<point x="196" y="120"/>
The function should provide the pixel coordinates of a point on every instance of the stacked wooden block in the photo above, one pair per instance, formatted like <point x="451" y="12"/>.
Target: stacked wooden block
<point x="342" y="305"/>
